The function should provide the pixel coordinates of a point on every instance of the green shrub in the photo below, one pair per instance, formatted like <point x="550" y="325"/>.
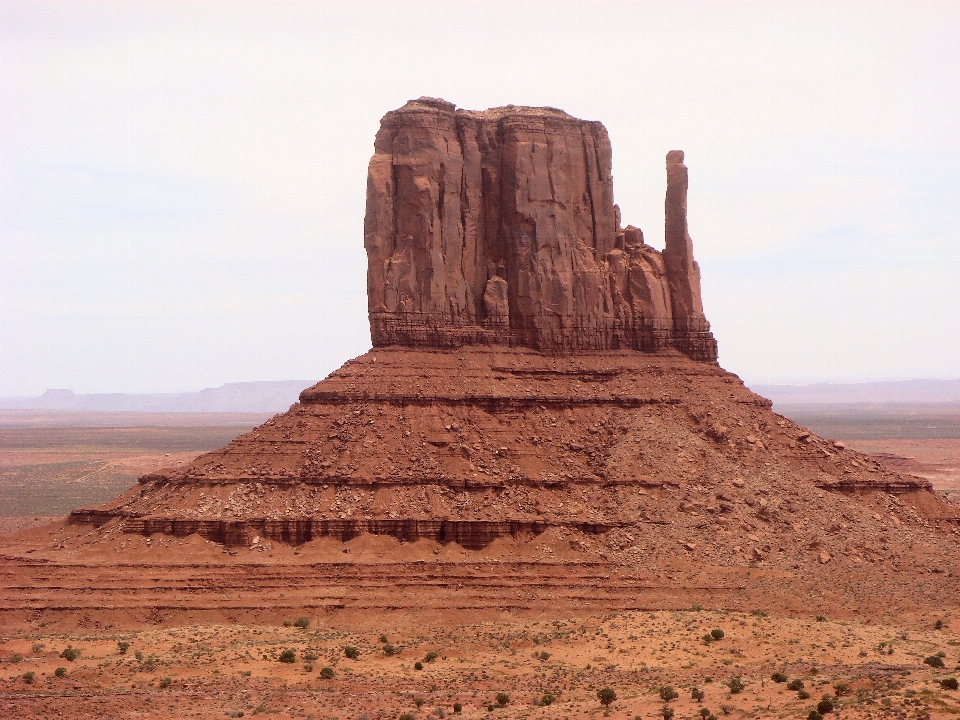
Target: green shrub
<point x="949" y="683"/>
<point x="389" y="649"/>
<point x="938" y="625"/>
<point x="457" y="707"/>
<point x="327" y="673"/>
<point x="418" y="665"/>
<point x="29" y="677"/>
<point x="668" y="693"/>
<point x="667" y="712"/>
<point x="60" y="672"/>
<point x="287" y="623"/>
<point x="70" y="654"/>
<point x="543" y="656"/>
<point x="37" y="648"/>
<point x="795" y="684"/>
<point x="502" y="699"/>
<point x="803" y="695"/>
<point x="779" y="677"/>
<point x="351" y="652"/>
<point x="707" y="715"/>
<point x="841" y="689"/>
<point x="934" y="661"/>
<point x="736" y="685"/>
<point x="814" y="715"/>
<point x="717" y="634"/>
<point x="547" y="699"/>
<point x="302" y="622"/>
<point x="309" y="656"/>
<point x="606" y="696"/>
<point x="123" y="646"/>
<point x="308" y="667"/>
<point x="825" y="706"/>
<point x="707" y="638"/>
<point x="288" y="656"/>
<point x="165" y="682"/>
<point x="821" y="618"/>
<point x="418" y="701"/>
<point x="430" y="656"/>
<point x="15" y="658"/>
<point x="407" y="716"/>
<point x="383" y="639"/>
<point x="696" y="694"/>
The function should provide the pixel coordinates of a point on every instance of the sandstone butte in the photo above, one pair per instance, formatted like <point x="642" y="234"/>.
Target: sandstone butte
<point x="542" y="407"/>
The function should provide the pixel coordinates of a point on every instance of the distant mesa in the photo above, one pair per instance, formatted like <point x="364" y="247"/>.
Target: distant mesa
<point x="499" y="228"/>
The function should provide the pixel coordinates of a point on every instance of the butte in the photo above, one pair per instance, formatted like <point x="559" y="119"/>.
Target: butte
<point x="543" y="410"/>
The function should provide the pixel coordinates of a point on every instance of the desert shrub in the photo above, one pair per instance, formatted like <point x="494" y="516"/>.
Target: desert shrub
<point x="430" y="656"/>
<point x="803" y="695"/>
<point x="327" y="673"/>
<point x="308" y="667"/>
<point x="502" y="699"/>
<point x="29" y="677"/>
<point x="934" y="661"/>
<point x="795" y="684"/>
<point x="938" y="625"/>
<point x="15" y="658"/>
<point x="696" y="694"/>
<point x="949" y="683"/>
<point x="288" y="656"/>
<point x="302" y="622"/>
<point x="383" y="639"/>
<point x="717" y="634"/>
<point x="418" y="701"/>
<point x="309" y="656"/>
<point x="758" y="613"/>
<point x="667" y="712"/>
<point x="37" y="648"/>
<point x="821" y="618"/>
<point x="165" y="682"/>
<point x="825" y="705"/>
<point x="736" y="685"/>
<point x="606" y="696"/>
<point x="542" y="656"/>
<point x="547" y="699"/>
<point x="814" y="715"/>
<point x="668" y="693"/>
<point x="707" y="715"/>
<point x="60" y="672"/>
<point x="457" y="707"/>
<point x="707" y="638"/>
<point x="70" y="654"/>
<point x="407" y="716"/>
<point x="123" y="646"/>
<point x="287" y="623"/>
<point x="779" y="677"/>
<point x="841" y="689"/>
<point x="389" y="649"/>
<point x="351" y="652"/>
<point x="418" y="665"/>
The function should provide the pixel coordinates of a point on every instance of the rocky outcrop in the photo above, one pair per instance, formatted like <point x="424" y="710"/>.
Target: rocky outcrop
<point x="499" y="227"/>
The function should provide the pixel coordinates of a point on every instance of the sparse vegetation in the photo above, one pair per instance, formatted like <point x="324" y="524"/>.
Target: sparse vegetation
<point x="736" y="685"/>
<point x="60" y="672"/>
<point x="841" y="689"/>
<point x="288" y="656"/>
<point x="607" y="696"/>
<point x="779" y="677"/>
<point x="165" y="682"/>
<point x="70" y="654"/>
<point x="389" y="649"/>
<point x="123" y="646"/>
<point x="351" y="652"/>
<point x="327" y="673"/>
<point x="430" y="656"/>
<point x="302" y="622"/>
<point x="934" y="661"/>
<point x="502" y="699"/>
<point x="697" y="694"/>
<point x="29" y="677"/>
<point x="547" y="699"/>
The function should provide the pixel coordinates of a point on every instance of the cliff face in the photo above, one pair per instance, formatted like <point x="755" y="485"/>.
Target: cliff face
<point x="499" y="227"/>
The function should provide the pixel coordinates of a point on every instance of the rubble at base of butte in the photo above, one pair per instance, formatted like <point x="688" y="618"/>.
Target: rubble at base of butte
<point x="536" y="370"/>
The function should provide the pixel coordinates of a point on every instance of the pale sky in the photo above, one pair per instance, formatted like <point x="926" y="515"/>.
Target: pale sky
<point x="182" y="184"/>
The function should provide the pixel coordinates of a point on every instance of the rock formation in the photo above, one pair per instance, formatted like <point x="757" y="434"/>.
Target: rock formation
<point x="505" y="398"/>
<point x="499" y="227"/>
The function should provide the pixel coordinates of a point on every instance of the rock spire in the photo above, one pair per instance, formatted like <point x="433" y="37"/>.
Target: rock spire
<point x="499" y="227"/>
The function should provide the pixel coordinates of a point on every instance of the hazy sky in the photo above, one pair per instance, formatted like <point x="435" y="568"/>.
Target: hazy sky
<point x="182" y="184"/>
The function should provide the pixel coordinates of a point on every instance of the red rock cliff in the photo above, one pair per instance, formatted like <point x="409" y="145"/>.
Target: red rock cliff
<point x="499" y="227"/>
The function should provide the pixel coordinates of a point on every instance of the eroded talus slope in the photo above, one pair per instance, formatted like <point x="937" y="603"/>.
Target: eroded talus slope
<point x="470" y="445"/>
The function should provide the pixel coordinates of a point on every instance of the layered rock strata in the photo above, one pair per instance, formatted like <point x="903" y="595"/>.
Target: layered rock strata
<point x="499" y="227"/>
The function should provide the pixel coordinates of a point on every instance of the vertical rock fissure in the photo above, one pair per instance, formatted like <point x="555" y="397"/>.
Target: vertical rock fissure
<point x="589" y="183"/>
